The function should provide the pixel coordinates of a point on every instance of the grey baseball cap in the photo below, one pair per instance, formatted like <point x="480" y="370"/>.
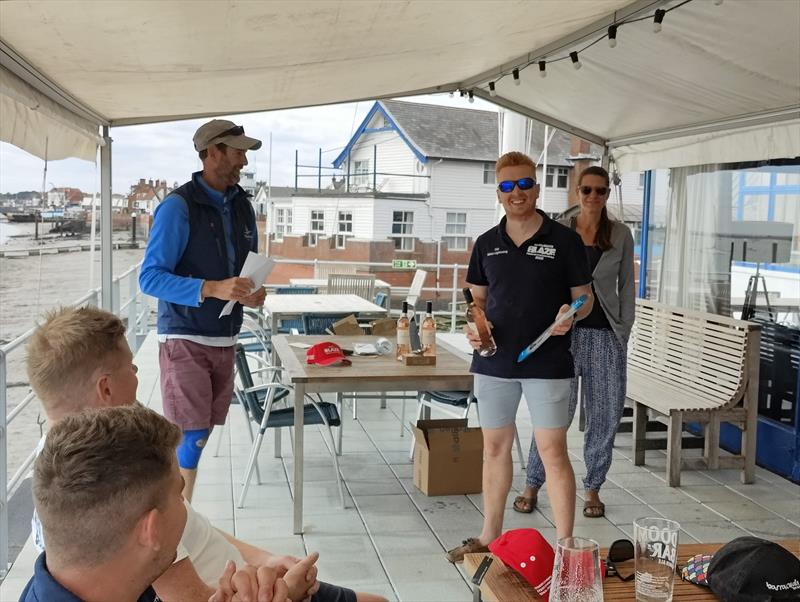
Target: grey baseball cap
<point x="226" y="132"/>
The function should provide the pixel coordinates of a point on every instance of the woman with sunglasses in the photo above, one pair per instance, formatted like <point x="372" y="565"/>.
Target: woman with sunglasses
<point x="599" y="341"/>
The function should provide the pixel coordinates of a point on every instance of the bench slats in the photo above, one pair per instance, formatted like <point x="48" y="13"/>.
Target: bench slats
<point x="685" y="363"/>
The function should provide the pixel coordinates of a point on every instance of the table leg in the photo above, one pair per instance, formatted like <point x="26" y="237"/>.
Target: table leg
<point x="299" y="402"/>
<point x="273" y="323"/>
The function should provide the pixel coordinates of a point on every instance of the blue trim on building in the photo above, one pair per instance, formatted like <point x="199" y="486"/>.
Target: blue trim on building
<point x="647" y="197"/>
<point x="363" y="129"/>
<point x="771" y="191"/>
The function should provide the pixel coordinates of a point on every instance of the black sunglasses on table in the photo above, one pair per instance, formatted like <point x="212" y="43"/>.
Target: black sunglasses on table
<point x="523" y="183"/>
<point x="620" y="552"/>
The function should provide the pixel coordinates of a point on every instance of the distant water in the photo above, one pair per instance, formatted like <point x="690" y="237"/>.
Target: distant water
<point x="10" y="230"/>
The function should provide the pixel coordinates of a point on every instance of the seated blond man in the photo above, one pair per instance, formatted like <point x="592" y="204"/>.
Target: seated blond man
<point x="78" y="358"/>
<point x="113" y="527"/>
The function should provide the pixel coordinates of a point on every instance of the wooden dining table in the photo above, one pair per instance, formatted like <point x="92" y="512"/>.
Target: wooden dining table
<point x="365" y="374"/>
<point x="502" y="584"/>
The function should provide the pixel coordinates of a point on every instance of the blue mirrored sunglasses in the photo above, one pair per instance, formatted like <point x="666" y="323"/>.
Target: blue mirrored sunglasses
<point x="523" y="183"/>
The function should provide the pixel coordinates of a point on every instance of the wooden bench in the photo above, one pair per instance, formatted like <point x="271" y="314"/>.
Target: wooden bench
<point x="690" y="366"/>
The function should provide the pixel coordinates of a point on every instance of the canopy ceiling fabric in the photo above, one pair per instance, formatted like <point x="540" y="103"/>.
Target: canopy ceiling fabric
<point x="31" y="121"/>
<point x="135" y="62"/>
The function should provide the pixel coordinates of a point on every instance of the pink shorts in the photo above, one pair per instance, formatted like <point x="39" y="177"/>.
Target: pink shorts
<point x="196" y="383"/>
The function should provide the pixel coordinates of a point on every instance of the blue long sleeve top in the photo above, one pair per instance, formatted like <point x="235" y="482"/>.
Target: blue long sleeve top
<point x="168" y="239"/>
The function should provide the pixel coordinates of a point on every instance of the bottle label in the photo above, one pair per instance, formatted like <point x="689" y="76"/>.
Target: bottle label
<point x="428" y="337"/>
<point x="403" y="337"/>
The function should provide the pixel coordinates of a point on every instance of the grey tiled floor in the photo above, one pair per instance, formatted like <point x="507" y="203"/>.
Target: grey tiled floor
<point x="391" y="538"/>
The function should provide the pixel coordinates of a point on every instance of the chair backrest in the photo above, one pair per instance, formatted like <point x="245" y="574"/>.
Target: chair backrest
<point x="704" y="354"/>
<point x="317" y="324"/>
<point x="352" y="284"/>
<point x="322" y="270"/>
<point x="296" y="290"/>
<point x="415" y="289"/>
<point x="248" y="400"/>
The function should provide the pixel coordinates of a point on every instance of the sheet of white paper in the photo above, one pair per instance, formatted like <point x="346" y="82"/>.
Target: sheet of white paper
<point x="257" y="268"/>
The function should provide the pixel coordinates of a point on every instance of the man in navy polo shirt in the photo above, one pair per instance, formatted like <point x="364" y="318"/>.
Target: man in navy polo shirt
<point x="524" y="273"/>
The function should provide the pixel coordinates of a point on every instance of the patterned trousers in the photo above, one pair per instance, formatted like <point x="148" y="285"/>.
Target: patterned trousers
<point x="600" y="361"/>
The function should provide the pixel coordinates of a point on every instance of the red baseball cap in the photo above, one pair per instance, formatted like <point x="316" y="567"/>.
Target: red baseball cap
<point x="326" y="354"/>
<point x="527" y="552"/>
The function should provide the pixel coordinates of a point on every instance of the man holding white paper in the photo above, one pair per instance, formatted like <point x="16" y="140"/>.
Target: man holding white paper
<point x="202" y="234"/>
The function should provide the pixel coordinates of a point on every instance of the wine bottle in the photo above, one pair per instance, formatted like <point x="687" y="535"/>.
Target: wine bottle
<point x="403" y="336"/>
<point x="476" y="321"/>
<point x="429" y="332"/>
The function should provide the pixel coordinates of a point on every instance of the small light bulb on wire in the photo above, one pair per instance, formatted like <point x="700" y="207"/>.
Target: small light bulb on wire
<point x="471" y="97"/>
<point x="657" y="19"/>
<point x="542" y="69"/>
<point x="612" y="36"/>
<point x="492" y="91"/>
<point x="515" y="75"/>
<point x="575" y="62"/>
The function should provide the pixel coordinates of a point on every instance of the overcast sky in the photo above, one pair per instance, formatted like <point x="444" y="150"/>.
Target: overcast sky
<point x="164" y="151"/>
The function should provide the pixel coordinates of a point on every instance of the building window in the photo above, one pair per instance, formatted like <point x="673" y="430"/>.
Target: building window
<point x="560" y="174"/>
<point x="455" y="230"/>
<point x="361" y="173"/>
<point x="641" y="179"/>
<point x="489" y="176"/>
<point x="403" y="230"/>
<point x="283" y="222"/>
<point x="345" y="229"/>
<point x="317" y="227"/>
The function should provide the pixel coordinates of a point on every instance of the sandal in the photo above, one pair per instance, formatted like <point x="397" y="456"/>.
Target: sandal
<point x="524" y="505"/>
<point x="594" y="510"/>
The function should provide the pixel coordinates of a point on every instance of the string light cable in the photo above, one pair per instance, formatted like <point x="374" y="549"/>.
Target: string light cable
<point x="656" y="17"/>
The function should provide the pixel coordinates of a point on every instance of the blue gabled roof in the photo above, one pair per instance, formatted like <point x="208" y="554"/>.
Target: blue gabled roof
<point x="391" y="125"/>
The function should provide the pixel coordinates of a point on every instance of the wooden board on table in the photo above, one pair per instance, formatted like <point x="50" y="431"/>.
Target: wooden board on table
<point x="502" y="584"/>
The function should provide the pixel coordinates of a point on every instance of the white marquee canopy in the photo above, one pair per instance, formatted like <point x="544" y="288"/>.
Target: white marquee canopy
<point x="719" y="83"/>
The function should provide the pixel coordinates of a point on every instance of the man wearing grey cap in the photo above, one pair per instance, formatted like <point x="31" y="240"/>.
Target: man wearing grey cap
<point x="202" y="232"/>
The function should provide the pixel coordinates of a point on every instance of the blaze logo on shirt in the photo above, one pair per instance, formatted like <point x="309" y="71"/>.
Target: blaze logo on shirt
<point x="542" y="251"/>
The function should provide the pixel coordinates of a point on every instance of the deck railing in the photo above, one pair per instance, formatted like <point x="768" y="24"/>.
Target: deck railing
<point x="135" y="309"/>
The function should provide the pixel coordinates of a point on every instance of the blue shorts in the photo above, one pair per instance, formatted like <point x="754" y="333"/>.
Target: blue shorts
<point x="498" y="400"/>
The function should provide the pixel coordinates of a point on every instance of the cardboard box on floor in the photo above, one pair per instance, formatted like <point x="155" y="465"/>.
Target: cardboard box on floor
<point x="448" y="457"/>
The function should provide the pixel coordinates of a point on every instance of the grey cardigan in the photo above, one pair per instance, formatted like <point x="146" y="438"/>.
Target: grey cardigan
<point x="613" y="280"/>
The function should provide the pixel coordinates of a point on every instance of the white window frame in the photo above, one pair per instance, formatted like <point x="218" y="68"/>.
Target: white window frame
<point x="403" y="230"/>
<point x="317" y="218"/>
<point x="283" y="222"/>
<point x="489" y="175"/>
<point x="455" y="231"/>
<point x="641" y="179"/>
<point x="361" y="173"/>
<point x="554" y="175"/>
<point x="344" y="228"/>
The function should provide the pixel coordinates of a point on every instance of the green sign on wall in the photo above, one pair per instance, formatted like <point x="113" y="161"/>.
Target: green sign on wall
<point x="404" y="264"/>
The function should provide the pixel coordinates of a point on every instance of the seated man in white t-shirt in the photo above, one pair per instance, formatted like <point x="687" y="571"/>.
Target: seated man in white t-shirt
<point x="78" y="358"/>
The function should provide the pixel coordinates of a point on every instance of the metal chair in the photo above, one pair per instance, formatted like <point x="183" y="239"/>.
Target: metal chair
<point x="259" y="401"/>
<point x="452" y="403"/>
<point x="352" y="284"/>
<point x="318" y="324"/>
<point x="288" y="325"/>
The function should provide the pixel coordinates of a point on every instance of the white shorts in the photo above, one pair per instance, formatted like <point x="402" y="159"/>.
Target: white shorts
<point x="498" y="400"/>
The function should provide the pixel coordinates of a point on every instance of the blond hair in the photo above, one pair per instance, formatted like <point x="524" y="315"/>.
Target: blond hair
<point x="513" y="159"/>
<point x="99" y="472"/>
<point x="65" y="352"/>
